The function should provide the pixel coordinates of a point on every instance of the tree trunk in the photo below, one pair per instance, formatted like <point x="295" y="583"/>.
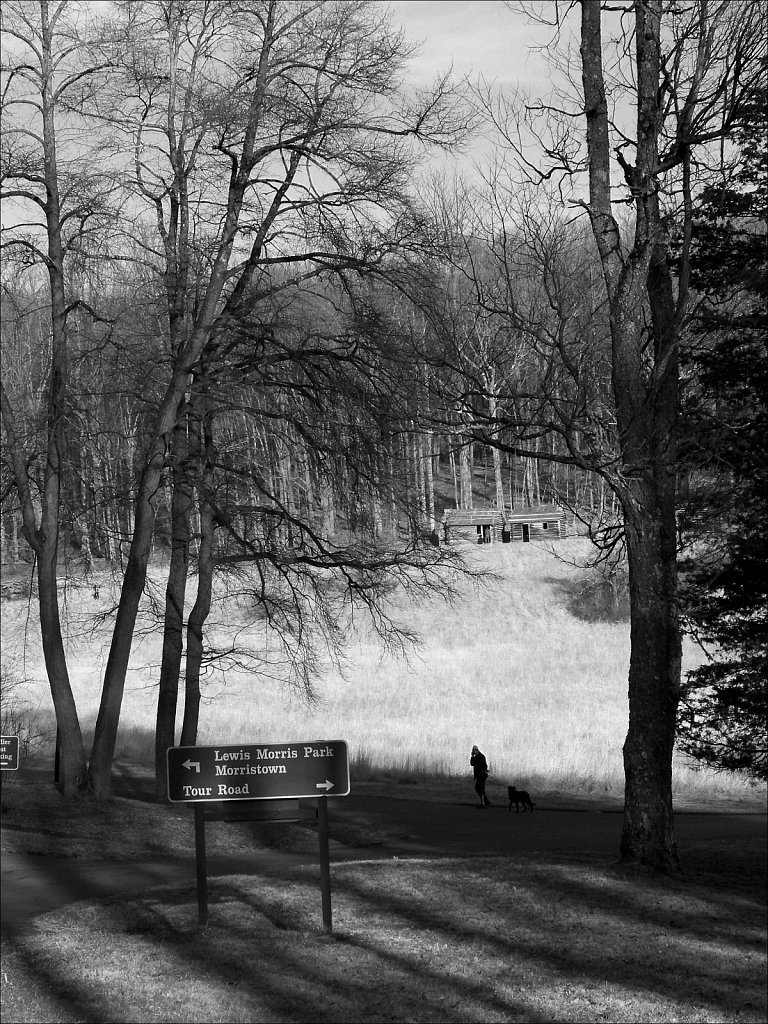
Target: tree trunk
<point x="498" y="478"/>
<point x="197" y="619"/>
<point x="328" y="507"/>
<point x="13" y="543"/>
<point x="465" y="469"/>
<point x="427" y="453"/>
<point x="417" y="447"/>
<point x="646" y="410"/>
<point x="44" y="539"/>
<point x="105" y="735"/>
<point x="72" y="765"/>
<point x="205" y="567"/>
<point x="429" y="480"/>
<point x="527" y="491"/>
<point x="654" y="681"/>
<point x="173" y="626"/>
<point x="651" y="531"/>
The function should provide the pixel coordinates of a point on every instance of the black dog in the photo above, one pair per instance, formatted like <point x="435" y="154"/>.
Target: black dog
<point x="517" y="797"/>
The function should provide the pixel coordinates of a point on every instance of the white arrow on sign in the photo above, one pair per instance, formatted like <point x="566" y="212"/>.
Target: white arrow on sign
<point x="324" y="785"/>
<point x="191" y="764"/>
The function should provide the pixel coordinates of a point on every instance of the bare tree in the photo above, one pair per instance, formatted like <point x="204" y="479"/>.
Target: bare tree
<point x="688" y="83"/>
<point x="55" y="206"/>
<point x="602" y="365"/>
<point x="260" y="135"/>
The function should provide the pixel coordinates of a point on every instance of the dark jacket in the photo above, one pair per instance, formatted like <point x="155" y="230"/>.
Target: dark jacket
<point x="479" y="764"/>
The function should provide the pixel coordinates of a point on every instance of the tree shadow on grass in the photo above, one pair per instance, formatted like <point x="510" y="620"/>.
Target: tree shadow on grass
<point x="300" y="975"/>
<point x="37" y="988"/>
<point x="486" y="940"/>
<point x="583" y="925"/>
<point x="592" y="598"/>
<point x="451" y="940"/>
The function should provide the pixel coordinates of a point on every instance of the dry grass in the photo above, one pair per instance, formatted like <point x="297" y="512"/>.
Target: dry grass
<point x="510" y="666"/>
<point x="477" y="940"/>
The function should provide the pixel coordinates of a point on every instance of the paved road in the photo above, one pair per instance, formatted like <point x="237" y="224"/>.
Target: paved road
<point x="33" y="885"/>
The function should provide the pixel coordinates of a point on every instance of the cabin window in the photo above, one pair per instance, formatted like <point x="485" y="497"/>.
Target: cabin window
<point x="545" y="526"/>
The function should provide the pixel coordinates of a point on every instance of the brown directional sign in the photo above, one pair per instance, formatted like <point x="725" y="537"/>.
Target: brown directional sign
<point x="9" y="753"/>
<point x="264" y="771"/>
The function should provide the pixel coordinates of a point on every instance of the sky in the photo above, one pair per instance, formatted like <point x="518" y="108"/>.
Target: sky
<point x="475" y="37"/>
<point x="478" y="36"/>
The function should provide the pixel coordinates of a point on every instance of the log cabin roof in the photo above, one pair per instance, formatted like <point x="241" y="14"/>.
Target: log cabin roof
<point x="534" y="514"/>
<point x="473" y="517"/>
<point x="495" y="517"/>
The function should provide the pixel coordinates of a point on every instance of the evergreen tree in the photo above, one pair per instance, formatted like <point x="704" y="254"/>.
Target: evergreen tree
<point x="725" y="596"/>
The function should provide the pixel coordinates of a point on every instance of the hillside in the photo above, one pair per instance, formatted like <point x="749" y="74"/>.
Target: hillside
<point x="518" y="664"/>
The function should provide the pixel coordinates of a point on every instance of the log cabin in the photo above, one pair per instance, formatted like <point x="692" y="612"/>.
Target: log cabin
<point x="490" y="526"/>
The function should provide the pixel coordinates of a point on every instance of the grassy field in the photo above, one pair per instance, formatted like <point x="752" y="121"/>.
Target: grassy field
<point x="520" y="665"/>
<point x="517" y="666"/>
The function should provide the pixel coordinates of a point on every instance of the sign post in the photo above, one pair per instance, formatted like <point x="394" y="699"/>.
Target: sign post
<point x="325" y="861"/>
<point x="237" y="778"/>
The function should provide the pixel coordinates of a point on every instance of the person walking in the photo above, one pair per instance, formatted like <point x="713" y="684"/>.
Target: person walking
<point x="480" y="769"/>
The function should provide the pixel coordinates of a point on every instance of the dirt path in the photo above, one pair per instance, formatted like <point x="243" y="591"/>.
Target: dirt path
<point x="368" y="826"/>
